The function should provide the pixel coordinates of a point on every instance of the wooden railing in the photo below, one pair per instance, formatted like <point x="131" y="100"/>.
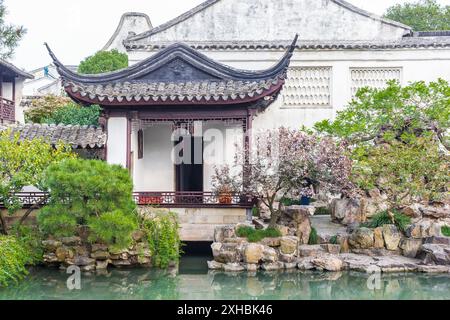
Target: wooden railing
<point x="161" y="199"/>
<point x="7" y="110"/>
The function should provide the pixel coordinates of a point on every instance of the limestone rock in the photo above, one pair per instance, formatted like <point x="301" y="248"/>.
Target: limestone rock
<point x="270" y="255"/>
<point x="436" y="212"/>
<point x="347" y="211"/>
<point x="99" y="247"/>
<point x="438" y="254"/>
<point x="233" y="267"/>
<point x="433" y="269"/>
<point x="50" y="258"/>
<point x="290" y="265"/>
<point x="410" y="247"/>
<point x="121" y="263"/>
<point x="51" y="245"/>
<point x="102" y="265"/>
<point x="284" y="230"/>
<point x="362" y="238"/>
<point x="216" y="246"/>
<point x="71" y="241"/>
<point x="253" y="253"/>
<point x="227" y="254"/>
<point x="271" y="242"/>
<point x="251" y="267"/>
<point x="438" y="240"/>
<point x="331" y="248"/>
<point x="214" y="265"/>
<point x="287" y="258"/>
<point x="272" y="266"/>
<point x="391" y="236"/>
<point x="301" y="217"/>
<point x="305" y="263"/>
<point x="378" y="238"/>
<point x="328" y="263"/>
<point x="310" y="250"/>
<point x="397" y="264"/>
<point x="288" y="245"/>
<point x="357" y="262"/>
<point x="412" y="211"/>
<point x="83" y="261"/>
<point x="63" y="253"/>
<point x="222" y="232"/>
<point x="100" y="255"/>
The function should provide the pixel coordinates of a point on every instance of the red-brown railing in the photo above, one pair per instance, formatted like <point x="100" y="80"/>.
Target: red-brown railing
<point x="162" y="199"/>
<point x="7" y="110"/>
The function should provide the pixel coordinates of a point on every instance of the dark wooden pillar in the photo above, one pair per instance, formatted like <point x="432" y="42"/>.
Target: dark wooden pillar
<point x="248" y="127"/>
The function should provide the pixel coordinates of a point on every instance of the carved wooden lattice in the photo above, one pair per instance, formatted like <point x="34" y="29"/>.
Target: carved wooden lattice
<point x="373" y="77"/>
<point x="308" y="87"/>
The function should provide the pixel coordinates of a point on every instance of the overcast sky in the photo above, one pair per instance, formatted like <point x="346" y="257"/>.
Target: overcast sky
<point x="76" y="29"/>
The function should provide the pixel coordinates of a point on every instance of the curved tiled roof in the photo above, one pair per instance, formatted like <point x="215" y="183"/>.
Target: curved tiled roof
<point x="209" y="3"/>
<point x="177" y="92"/>
<point x="16" y="70"/>
<point x="404" y="43"/>
<point x="83" y="137"/>
<point x="176" y="74"/>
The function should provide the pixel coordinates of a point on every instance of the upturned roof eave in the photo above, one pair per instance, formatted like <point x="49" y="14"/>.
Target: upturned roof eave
<point x="171" y="52"/>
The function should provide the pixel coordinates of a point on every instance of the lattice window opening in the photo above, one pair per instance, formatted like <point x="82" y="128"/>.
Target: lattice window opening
<point x="308" y="87"/>
<point x="376" y="78"/>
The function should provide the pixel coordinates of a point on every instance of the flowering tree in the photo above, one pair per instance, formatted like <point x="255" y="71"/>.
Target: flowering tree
<point x="286" y="161"/>
<point x="399" y="138"/>
<point x="22" y="164"/>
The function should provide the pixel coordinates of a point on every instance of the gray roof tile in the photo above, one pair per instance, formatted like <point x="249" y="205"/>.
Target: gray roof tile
<point x="79" y="137"/>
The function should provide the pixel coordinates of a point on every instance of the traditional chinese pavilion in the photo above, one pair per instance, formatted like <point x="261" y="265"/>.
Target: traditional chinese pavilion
<point x="178" y="87"/>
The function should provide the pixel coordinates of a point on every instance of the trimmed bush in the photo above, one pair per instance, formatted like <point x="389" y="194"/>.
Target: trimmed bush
<point x="255" y="235"/>
<point x="92" y="193"/>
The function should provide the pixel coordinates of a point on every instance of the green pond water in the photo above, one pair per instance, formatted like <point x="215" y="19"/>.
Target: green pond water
<point x="193" y="281"/>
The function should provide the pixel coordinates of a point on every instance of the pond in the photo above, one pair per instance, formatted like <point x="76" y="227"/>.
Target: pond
<point x="193" y="281"/>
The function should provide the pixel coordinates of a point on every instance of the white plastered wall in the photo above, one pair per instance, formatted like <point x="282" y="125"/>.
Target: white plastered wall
<point x="117" y="141"/>
<point x="156" y="171"/>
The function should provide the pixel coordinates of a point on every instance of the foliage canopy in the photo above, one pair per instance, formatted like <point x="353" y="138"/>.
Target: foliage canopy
<point x="10" y="35"/>
<point x="104" y="61"/>
<point x="22" y="164"/>
<point x="423" y="15"/>
<point x="92" y="193"/>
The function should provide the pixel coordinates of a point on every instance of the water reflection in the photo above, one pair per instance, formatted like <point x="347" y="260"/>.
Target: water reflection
<point x="156" y="284"/>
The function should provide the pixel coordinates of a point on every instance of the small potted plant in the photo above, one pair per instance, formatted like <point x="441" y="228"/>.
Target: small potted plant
<point x="224" y="186"/>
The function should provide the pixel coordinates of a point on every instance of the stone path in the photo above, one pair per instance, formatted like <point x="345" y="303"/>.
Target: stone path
<point x="325" y="228"/>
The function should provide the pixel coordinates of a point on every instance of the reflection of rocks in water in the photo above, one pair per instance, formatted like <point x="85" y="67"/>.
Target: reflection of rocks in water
<point x="156" y="284"/>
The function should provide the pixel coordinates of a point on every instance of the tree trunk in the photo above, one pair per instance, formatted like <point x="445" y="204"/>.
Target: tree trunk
<point x="3" y="223"/>
<point x="31" y="209"/>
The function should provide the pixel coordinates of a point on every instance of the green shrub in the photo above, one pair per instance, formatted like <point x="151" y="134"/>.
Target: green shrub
<point x="313" y="237"/>
<point x="31" y="238"/>
<point x="14" y="257"/>
<point x="163" y="237"/>
<point x="92" y="193"/>
<point x="73" y="114"/>
<point x="255" y="235"/>
<point x="114" y="228"/>
<point x="334" y="240"/>
<point x="256" y="212"/>
<point x="446" y="231"/>
<point x="290" y="202"/>
<point x="322" y="211"/>
<point x="400" y="220"/>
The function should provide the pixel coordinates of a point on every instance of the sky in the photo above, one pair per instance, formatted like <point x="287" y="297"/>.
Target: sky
<point x="76" y="29"/>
